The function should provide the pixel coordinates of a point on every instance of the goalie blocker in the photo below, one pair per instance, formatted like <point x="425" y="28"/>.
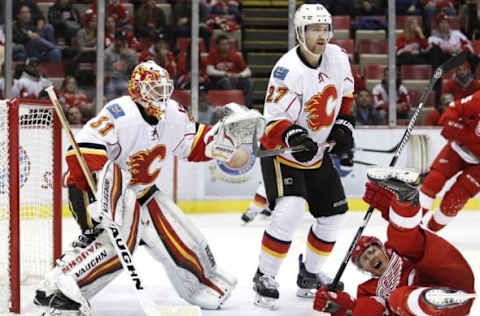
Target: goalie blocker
<point x="153" y="220"/>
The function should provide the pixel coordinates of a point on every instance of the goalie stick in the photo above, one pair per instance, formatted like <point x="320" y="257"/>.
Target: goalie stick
<point x="385" y="151"/>
<point x="451" y="63"/>
<point x="123" y="253"/>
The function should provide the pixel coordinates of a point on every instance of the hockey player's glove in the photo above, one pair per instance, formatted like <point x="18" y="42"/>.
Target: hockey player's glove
<point x="451" y="130"/>
<point x="336" y="303"/>
<point x="342" y="134"/>
<point x="297" y="135"/>
<point x="379" y="198"/>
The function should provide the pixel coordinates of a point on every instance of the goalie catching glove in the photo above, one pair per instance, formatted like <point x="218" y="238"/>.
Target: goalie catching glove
<point x="342" y="134"/>
<point x="235" y="129"/>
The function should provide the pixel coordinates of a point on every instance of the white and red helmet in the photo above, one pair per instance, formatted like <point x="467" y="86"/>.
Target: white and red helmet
<point x="363" y="243"/>
<point x="308" y="14"/>
<point x="150" y="86"/>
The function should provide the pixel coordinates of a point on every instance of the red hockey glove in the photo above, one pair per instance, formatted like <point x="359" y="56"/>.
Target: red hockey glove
<point x="336" y="303"/>
<point x="451" y="130"/>
<point x="379" y="198"/>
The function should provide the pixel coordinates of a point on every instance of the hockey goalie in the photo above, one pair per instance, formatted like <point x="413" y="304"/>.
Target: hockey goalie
<point x="125" y="146"/>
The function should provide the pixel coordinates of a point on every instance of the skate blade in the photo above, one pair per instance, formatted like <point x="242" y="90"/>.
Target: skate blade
<point x="402" y="174"/>
<point x="306" y="293"/>
<point x="442" y="299"/>
<point x="266" y="302"/>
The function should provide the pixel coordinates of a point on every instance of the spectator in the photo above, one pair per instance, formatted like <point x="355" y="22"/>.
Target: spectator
<point x="380" y="97"/>
<point x="365" y="112"/>
<point x="2" y="65"/>
<point x="37" y="39"/>
<point x="434" y="7"/>
<point x="368" y="7"/>
<point x="183" y="11"/>
<point x="65" y="19"/>
<point x="70" y="96"/>
<point x="406" y="7"/>
<point x="206" y="111"/>
<point x="359" y="81"/>
<point x="119" y="13"/>
<point x="434" y="116"/>
<point x="223" y="7"/>
<point x="119" y="63"/>
<point x="184" y="70"/>
<point x="38" y="19"/>
<point x="447" y="43"/>
<point x="462" y="84"/>
<point x="148" y="19"/>
<point x="31" y="83"/>
<point x="160" y="52"/>
<point x="227" y="70"/>
<point x="74" y="116"/>
<point x="412" y="45"/>
<point x="111" y="30"/>
<point x="87" y="36"/>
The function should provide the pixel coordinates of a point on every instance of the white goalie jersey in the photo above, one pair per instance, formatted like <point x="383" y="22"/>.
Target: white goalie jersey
<point x="306" y="96"/>
<point x="120" y="133"/>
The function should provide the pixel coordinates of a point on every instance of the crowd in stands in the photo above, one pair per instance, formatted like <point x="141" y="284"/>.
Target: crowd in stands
<point x="64" y="33"/>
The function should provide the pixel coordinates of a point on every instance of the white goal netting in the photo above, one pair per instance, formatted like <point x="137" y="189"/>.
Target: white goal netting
<point x="35" y="185"/>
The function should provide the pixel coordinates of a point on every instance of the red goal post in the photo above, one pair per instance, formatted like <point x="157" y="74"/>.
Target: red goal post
<point x="30" y="195"/>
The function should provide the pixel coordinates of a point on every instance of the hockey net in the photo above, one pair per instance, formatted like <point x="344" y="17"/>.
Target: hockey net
<point x="30" y="195"/>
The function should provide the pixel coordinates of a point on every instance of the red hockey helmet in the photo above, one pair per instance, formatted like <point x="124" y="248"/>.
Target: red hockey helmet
<point x="363" y="243"/>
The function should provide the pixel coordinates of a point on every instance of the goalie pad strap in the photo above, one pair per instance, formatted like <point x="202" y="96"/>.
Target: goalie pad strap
<point x="78" y="202"/>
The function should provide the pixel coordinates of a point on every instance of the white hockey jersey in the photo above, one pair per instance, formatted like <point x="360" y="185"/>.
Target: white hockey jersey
<point x="309" y="97"/>
<point x="120" y="133"/>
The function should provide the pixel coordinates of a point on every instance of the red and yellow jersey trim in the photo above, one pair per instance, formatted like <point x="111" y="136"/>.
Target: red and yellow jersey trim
<point x="297" y="165"/>
<point x="273" y="136"/>
<point x="197" y="151"/>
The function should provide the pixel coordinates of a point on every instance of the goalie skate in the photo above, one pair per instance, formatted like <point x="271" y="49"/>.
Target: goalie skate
<point x="446" y="298"/>
<point x="266" y="291"/>
<point x="57" y="304"/>
<point x="402" y="182"/>
<point x="308" y="283"/>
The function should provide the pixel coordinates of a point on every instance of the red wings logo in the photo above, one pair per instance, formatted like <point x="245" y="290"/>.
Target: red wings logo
<point x="140" y="164"/>
<point x="320" y="114"/>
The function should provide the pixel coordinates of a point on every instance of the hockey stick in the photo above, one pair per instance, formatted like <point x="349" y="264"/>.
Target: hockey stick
<point x="123" y="253"/>
<point x="386" y="151"/>
<point x="444" y="68"/>
<point x="261" y="153"/>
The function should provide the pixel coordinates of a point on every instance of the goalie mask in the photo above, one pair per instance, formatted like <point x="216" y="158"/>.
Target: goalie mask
<point x="150" y="86"/>
<point x="308" y="14"/>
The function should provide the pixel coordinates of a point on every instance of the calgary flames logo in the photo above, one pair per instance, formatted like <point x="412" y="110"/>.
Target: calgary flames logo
<point x="321" y="108"/>
<point x="140" y="164"/>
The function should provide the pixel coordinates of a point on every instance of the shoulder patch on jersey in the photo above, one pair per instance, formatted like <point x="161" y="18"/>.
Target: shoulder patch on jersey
<point x="116" y="110"/>
<point x="280" y="72"/>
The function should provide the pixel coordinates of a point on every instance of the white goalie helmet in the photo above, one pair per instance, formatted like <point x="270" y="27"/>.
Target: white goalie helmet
<point x="308" y="14"/>
<point x="150" y="86"/>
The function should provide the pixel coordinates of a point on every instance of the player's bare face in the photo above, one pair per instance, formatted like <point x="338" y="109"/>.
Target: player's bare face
<point x="373" y="260"/>
<point x="316" y="37"/>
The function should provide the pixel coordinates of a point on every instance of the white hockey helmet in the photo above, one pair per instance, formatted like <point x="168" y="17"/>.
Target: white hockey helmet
<point x="150" y="86"/>
<point x="311" y="14"/>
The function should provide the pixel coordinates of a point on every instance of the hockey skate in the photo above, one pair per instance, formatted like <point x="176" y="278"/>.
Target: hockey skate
<point x="308" y="283"/>
<point x="57" y="304"/>
<point x="250" y="215"/>
<point x="266" y="289"/>
<point x="402" y="182"/>
<point x="443" y="299"/>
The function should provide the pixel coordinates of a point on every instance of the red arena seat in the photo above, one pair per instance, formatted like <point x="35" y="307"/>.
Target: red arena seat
<point x="415" y="72"/>
<point x="183" y="42"/>
<point x="182" y="97"/>
<point x="373" y="46"/>
<point x="346" y="44"/>
<point x="222" y="97"/>
<point x="373" y="71"/>
<point x="341" y="22"/>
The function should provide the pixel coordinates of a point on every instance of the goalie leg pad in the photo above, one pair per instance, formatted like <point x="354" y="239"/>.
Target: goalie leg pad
<point x="182" y="249"/>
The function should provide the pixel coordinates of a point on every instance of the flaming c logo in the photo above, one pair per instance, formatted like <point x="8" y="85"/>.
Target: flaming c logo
<point x="140" y="164"/>
<point x="321" y="112"/>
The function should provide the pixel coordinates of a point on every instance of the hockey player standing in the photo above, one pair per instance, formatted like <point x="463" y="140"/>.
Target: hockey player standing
<point x="129" y="141"/>
<point x="308" y="102"/>
<point x="415" y="272"/>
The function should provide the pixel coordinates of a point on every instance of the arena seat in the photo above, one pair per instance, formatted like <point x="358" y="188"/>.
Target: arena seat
<point x="183" y="42"/>
<point x="222" y="97"/>
<point x="182" y="97"/>
<point x="374" y="71"/>
<point x="51" y="69"/>
<point x="346" y="44"/>
<point x="408" y="72"/>
<point x="372" y="51"/>
<point x="341" y="27"/>
<point x="415" y="97"/>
